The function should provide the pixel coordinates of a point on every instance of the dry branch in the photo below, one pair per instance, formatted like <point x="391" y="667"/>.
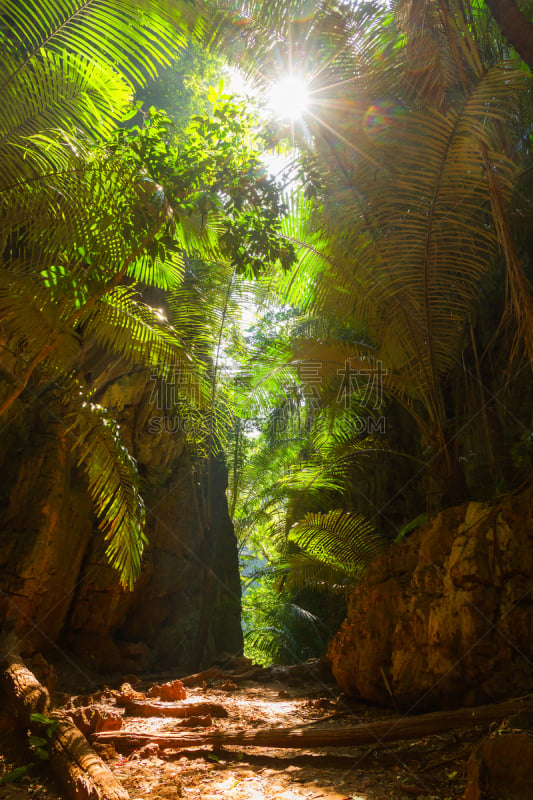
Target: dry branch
<point x="363" y="734"/>
<point x="216" y="674"/>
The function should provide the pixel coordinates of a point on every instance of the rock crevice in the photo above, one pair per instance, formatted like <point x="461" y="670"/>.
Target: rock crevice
<point x="56" y="586"/>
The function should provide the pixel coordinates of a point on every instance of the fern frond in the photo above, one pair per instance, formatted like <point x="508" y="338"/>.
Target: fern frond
<point x="304" y="570"/>
<point x="133" y="35"/>
<point x="343" y="540"/>
<point x="292" y="635"/>
<point x="113" y="484"/>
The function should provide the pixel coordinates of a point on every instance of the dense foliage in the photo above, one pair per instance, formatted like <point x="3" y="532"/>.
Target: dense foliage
<point x="389" y="373"/>
<point x="405" y="384"/>
<point x="95" y="217"/>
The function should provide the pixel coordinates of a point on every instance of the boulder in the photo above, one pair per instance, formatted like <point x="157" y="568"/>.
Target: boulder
<point x="445" y="618"/>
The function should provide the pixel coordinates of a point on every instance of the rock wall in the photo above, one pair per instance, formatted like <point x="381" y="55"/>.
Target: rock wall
<point x="445" y="618"/>
<point x="56" y="588"/>
<point x="46" y="527"/>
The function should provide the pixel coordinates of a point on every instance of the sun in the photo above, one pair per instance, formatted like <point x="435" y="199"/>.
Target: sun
<point x="289" y="98"/>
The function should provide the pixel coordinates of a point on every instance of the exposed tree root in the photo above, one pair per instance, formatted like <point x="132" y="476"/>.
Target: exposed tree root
<point x="80" y="771"/>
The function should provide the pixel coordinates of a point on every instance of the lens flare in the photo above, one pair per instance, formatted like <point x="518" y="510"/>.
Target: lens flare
<point x="378" y="119"/>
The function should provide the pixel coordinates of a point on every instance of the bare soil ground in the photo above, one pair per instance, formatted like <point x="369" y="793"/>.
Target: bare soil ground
<point x="428" y="769"/>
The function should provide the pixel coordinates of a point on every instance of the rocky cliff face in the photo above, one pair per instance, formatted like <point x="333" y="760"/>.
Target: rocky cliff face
<point x="56" y="588"/>
<point x="445" y="618"/>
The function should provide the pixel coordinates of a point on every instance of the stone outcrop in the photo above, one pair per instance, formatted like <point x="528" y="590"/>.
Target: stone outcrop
<point x="445" y="618"/>
<point x="56" y="588"/>
<point x="501" y="766"/>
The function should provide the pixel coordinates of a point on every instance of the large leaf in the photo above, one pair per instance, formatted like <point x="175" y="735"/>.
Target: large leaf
<point x="131" y="35"/>
<point x="113" y="485"/>
<point x="342" y="540"/>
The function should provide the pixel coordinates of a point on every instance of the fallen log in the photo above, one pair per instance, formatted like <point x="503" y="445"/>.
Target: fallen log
<point x="255" y="672"/>
<point x="367" y="733"/>
<point x="25" y="693"/>
<point x="136" y="708"/>
<point x="211" y="674"/>
<point x="80" y="771"/>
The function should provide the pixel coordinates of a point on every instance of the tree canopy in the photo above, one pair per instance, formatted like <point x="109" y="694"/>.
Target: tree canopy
<point x="94" y="215"/>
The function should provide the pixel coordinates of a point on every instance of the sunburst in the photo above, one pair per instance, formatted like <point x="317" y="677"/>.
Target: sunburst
<point x="288" y="99"/>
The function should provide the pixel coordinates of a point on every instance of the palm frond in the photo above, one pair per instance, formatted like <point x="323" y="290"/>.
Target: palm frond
<point x="164" y="268"/>
<point x="132" y="36"/>
<point x="297" y="285"/>
<point x="123" y="325"/>
<point x="51" y="104"/>
<point x="412" y="243"/>
<point x="113" y="486"/>
<point x="430" y="61"/>
<point x="65" y="71"/>
<point x="338" y="538"/>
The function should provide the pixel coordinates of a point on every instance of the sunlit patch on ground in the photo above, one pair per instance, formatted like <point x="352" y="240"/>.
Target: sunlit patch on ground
<point x="253" y="773"/>
<point x="432" y="769"/>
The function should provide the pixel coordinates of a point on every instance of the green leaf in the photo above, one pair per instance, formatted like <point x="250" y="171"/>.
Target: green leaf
<point x="114" y="488"/>
<point x="15" y="774"/>
<point x="37" y="741"/>
<point x="40" y="718"/>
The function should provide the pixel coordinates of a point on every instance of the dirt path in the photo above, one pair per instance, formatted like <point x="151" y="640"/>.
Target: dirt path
<point x="428" y="769"/>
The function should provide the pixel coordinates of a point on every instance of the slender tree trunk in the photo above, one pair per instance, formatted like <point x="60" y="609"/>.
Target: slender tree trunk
<point x="516" y="28"/>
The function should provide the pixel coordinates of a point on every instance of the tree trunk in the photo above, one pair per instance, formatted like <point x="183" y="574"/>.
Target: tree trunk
<point x="365" y="734"/>
<point x="82" y="773"/>
<point x="515" y="27"/>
